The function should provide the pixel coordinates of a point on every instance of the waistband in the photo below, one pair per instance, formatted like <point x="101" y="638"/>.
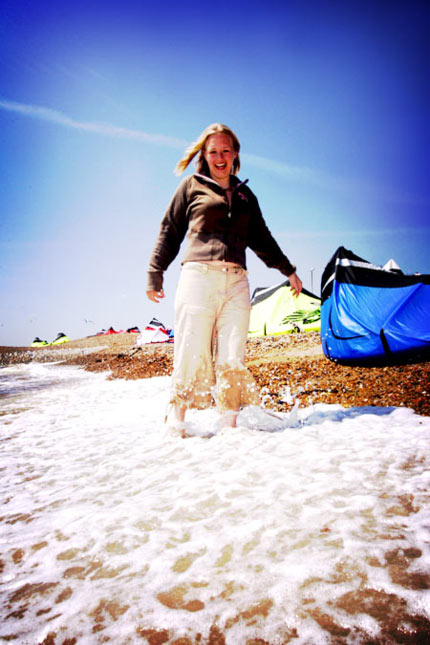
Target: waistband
<point x="208" y="266"/>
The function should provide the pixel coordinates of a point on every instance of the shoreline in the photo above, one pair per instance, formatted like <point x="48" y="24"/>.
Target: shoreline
<point x="109" y="520"/>
<point x="286" y="368"/>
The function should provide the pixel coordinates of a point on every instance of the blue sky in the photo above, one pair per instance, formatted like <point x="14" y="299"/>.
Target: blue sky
<point x="330" y="101"/>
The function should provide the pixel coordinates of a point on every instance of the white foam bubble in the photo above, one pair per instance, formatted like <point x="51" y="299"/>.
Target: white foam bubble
<point x="310" y="525"/>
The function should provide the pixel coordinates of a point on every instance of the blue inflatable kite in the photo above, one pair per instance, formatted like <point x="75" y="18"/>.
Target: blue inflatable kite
<point x="371" y="313"/>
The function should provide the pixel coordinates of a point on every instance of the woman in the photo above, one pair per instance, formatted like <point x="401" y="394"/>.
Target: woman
<point x="220" y="217"/>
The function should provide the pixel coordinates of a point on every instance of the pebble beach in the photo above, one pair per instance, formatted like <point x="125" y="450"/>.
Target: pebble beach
<point x="294" y="363"/>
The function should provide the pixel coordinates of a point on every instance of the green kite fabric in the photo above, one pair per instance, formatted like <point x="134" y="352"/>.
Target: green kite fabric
<point x="275" y="310"/>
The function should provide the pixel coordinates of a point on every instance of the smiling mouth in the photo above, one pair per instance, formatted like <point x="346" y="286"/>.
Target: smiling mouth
<point x="221" y="166"/>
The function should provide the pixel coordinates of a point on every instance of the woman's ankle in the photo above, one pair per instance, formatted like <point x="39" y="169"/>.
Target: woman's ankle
<point x="229" y="418"/>
<point x="179" y="412"/>
<point x="175" y="412"/>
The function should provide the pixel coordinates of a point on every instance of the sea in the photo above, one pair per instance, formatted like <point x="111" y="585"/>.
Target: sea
<point x="309" y="527"/>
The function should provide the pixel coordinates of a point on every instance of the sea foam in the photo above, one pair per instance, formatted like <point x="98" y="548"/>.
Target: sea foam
<point x="305" y="527"/>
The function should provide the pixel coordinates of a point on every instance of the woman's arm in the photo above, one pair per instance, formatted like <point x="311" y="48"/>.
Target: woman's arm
<point x="264" y="245"/>
<point x="172" y="232"/>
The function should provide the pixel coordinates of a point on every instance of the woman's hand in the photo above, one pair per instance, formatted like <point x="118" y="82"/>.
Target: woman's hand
<point x="295" y="284"/>
<point x="155" y="296"/>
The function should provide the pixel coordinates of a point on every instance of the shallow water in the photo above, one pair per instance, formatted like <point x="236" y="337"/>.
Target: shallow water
<point x="308" y="528"/>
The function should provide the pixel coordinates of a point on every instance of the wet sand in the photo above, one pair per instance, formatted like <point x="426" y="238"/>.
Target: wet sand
<point x="278" y="362"/>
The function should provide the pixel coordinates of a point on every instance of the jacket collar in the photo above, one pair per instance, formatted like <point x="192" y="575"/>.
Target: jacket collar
<point x="235" y="181"/>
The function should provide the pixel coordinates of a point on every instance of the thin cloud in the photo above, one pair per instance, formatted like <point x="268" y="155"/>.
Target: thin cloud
<point x="105" y="129"/>
<point x="293" y="173"/>
<point x="296" y="174"/>
<point x="325" y="181"/>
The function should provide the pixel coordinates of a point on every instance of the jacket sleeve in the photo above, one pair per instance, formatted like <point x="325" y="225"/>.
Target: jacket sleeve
<point x="172" y="232"/>
<point x="261" y="241"/>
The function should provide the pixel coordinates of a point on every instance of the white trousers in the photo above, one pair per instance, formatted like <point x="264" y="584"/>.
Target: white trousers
<point x="212" y="307"/>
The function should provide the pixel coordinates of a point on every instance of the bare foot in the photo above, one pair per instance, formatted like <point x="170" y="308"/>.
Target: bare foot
<point x="175" y="419"/>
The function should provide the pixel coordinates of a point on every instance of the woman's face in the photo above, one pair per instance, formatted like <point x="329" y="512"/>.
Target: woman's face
<point x="220" y="155"/>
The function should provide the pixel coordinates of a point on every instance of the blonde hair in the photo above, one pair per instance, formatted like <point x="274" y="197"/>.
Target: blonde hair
<point x="199" y="145"/>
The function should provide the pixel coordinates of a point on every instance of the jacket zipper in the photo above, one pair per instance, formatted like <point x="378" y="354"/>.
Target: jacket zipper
<point x="210" y="180"/>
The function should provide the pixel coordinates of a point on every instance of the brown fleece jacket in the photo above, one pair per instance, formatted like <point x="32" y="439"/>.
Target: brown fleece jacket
<point x="200" y="210"/>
